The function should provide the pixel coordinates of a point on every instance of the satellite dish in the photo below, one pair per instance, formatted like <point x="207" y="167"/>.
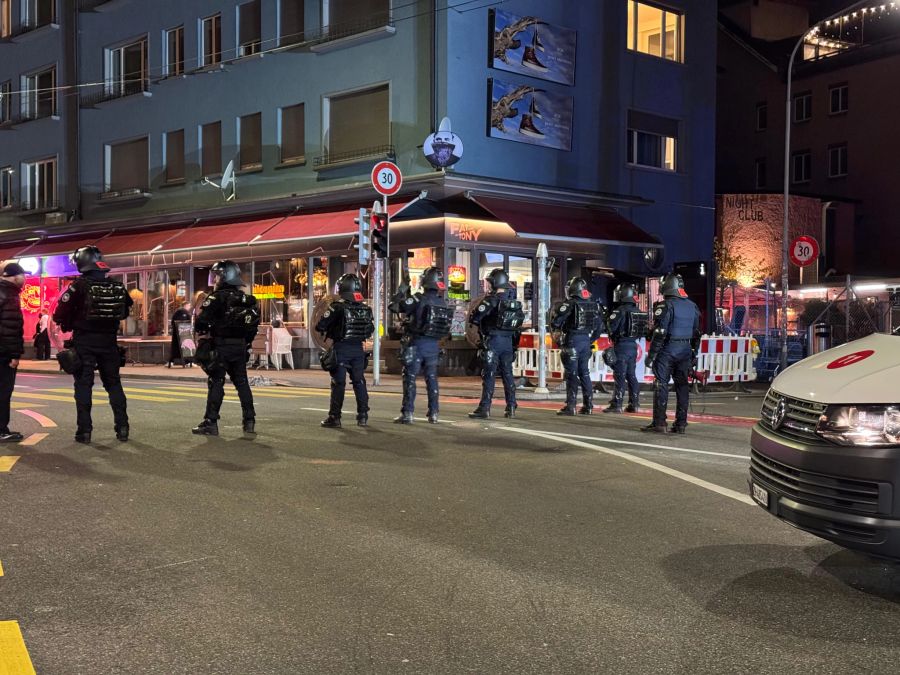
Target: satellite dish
<point x="228" y="181"/>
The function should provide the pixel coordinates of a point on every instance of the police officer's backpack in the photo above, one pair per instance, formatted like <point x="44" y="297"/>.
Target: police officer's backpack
<point x="436" y="321"/>
<point x="242" y="314"/>
<point x="105" y="301"/>
<point x="510" y="315"/>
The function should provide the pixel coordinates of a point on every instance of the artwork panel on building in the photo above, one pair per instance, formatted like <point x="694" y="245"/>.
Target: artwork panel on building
<point x="530" y="115"/>
<point x="531" y="46"/>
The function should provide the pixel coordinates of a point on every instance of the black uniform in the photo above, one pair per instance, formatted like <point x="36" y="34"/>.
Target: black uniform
<point x="580" y="322"/>
<point x="181" y="315"/>
<point x="427" y="319"/>
<point x="624" y="337"/>
<point x="676" y="338"/>
<point x="499" y="321"/>
<point x="92" y="308"/>
<point x="12" y="346"/>
<point x="348" y="324"/>
<point x="230" y="318"/>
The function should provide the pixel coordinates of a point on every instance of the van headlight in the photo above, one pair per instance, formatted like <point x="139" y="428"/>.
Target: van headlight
<point x="867" y="425"/>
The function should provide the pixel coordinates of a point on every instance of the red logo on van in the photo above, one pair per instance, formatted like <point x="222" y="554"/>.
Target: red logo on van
<point x="850" y="359"/>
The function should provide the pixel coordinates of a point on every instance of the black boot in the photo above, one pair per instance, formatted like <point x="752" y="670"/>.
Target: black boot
<point x="122" y="432"/>
<point x="332" y="422"/>
<point x="480" y="413"/>
<point x="511" y="411"/>
<point x="632" y="408"/>
<point x="404" y="418"/>
<point x="206" y="428"/>
<point x="83" y="436"/>
<point x="565" y="411"/>
<point x="7" y="436"/>
<point x="586" y="410"/>
<point x="250" y="425"/>
<point x="613" y="408"/>
<point x="362" y="420"/>
<point x="432" y="418"/>
<point x="679" y="428"/>
<point x="656" y="428"/>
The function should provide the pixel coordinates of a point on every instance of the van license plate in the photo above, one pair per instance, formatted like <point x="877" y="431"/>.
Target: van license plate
<point x="760" y="495"/>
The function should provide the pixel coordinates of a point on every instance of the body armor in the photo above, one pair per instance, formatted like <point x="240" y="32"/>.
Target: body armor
<point x="638" y="325"/>
<point x="105" y="302"/>
<point x="358" y="322"/>
<point x="510" y="315"/>
<point x="585" y="316"/>
<point x="436" y="321"/>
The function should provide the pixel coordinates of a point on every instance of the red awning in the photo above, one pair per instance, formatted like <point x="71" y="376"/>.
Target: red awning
<point x="532" y="220"/>
<point x="60" y="246"/>
<point x="10" y="252"/>
<point x="316" y="226"/>
<point x="215" y="236"/>
<point x="138" y="243"/>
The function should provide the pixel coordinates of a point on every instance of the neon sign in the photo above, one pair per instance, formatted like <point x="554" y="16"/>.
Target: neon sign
<point x="272" y="292"/>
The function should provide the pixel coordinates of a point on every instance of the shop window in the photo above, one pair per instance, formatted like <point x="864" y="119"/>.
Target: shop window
<point x="801" y="166"/>
<point x="173" y="156"/>
<point x="211" y="149"/>
<point x="652" y="141"/>
<point x="522" y="279"/>
<point x="39" y="98"/>
<point x="351" y="16"/>
<point x="271" y="288"/>
<point x="655" y="31"/>
<point x="157" y="292"/>
<point x="487" y="261"/>
<point x="6" y="187"/>
<point x="290" y="22"/>
<point x="211" y="40"/>
<point x="174" y="64"/>
<point x="5" y="102"/>
<point x="320" y="279"/>
<point x="128" y="166"/>
<point x="291" y="134"/>
<point x="177" y="294"/>
<point x="420" y="260"/>
<point x="298" y="292"/>
<point x="762" y="116"/>
<point x="803" y="107"/>
<point x="837" y="161"/>
<point x="39" y="12"/>
<point x="349" y="134"/>
<point x="134" y="323"/>
<point x="5" y="18"/>
<point x="249" y="28"/>
<point x="250" y="133"/>
<point x="39" y="184"/>
<point x="127" y="69"/>
<point x="838" y="97"/>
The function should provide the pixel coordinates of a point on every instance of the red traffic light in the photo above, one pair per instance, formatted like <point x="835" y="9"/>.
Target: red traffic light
<point x="379" y="221"/>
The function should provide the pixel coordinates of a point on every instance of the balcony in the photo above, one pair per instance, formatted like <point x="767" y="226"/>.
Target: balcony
<point x="340" y="159"/>
<point x="124" y="195"/>
<point x="117" y="90"/>
<point x="29" y="29"/>
<point x="41" y="206"/>
<point x="99" y="5"/>
<point x="338" y="36"/>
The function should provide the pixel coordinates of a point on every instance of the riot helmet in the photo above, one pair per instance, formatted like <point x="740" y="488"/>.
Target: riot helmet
<point x="625" y="293"/>
<point x="577" y="288"/>
<point x="350" y="288"/>
<point x="433" y="279"/>
<point x="672" y="286"/>
<point x="498" y="279"/>
<point x="89" y="259"/>
<point x="225" y="273"/>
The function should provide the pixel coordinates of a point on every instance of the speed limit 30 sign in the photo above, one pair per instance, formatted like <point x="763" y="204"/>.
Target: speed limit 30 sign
<point x="804" y="251"/>
<point x="386" y="178"/>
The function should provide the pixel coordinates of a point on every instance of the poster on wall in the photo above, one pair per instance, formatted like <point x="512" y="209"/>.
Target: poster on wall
<point x="526" y="114"/>
<point x="528" y="45"/>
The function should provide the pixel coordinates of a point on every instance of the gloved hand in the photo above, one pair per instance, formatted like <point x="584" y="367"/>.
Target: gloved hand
<point x="648" y="363"/>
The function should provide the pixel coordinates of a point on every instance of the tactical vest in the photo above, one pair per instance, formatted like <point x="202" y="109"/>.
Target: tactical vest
<point x="584" y="317"/>
<point x="638" y="325"/>
<point x="358" y="323"/>
<point x="241" y="316"/>
<point x="105" y="303"/>
<point x="684" y="312"/>
<point x="435" y="322"/>
<point x="510" y="315"/>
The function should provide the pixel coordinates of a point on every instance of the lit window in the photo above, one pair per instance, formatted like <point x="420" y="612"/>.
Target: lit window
<point x="655" y="31"/>
<point x="5" y="102"/>
<point x="652" y="140"/>
<point x="127" y="70"/>
<point x="128" y="165"/>
<point x="838" y="97"/>
<point x="353" y="16"/>
<point x="803" y="107"/>
<point x="249" y="28"/>
<point x="5" y="18"/>
<point x="250" y="133"/>
<point x="6" y="186"/>
<point x="349" y="133"/>
<point x="837" y="161"/>
<point x="291" y="134"/>
<point x="211" y="149"/>
<point x="801" y="166"/>
<point x="39" y="99"/>
<point x="211" y="40"/>
<point x="762" y="116"/>
<point x="761" y="174"/>
<point x="173" y="156"/>
<point x="290" y="22"/>
<point x="174" y="52"/>
<point x="39" y="184"/>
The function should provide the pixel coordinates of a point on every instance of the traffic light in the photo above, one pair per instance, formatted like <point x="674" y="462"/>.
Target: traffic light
<point x="364" y="225"/>
<point x="380" y="235"/>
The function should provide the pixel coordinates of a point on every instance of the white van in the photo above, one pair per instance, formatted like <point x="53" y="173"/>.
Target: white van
<point x="825" y="455"/>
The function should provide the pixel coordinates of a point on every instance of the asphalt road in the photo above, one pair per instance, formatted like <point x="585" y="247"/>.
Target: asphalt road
<point x="539" y="545"/>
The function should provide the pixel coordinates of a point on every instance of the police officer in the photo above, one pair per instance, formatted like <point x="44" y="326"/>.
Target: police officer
<point x="348" y="322"/>
<point x="427" y="319"/>
<point x="499" y="321"/>
<point x="579" y="320"/>
<point x="229" y="318"/>
<point x="676" y="338"/>
<point x="92" y="308"/>
<point x="625" y="326"/>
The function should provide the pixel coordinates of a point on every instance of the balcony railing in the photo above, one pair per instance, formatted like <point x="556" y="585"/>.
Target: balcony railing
<point x="38" y="206"/>
<point x="329" y="160"/>
<point x="116" y="90"/>
<point x="338" y="31"/>
<point x="30" y="26"/>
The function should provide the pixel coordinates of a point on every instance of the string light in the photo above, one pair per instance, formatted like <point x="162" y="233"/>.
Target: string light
<point x="817" y="38"/>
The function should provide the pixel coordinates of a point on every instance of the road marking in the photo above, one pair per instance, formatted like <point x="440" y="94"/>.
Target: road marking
<point x="196" y="391"/>
<point x="44" y="421"/>
<point x="137" y="397"/>
<point x="653" y="445"/>
<point x="1" y="569"/>
<point x="42" y="397"/>
<point x="6" y="463"/>
<point x="14" y="658"/>
<point x="20" y="405"/>
<point x="325" y="410"/>
<point x="34" y="439"/>
<point x="712" y="487"/>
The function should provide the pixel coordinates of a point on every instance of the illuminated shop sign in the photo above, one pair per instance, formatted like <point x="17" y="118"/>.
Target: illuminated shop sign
<point x="456" y="274"/>
<point x="272" y="292"/>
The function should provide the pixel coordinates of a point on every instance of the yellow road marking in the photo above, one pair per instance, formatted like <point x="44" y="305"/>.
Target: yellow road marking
<point x="42" y="397"/>
<point x="44" y="421"/>
<point x="6" y="463"/>
<point x="14" y="658"/>
<point x="137" y="397"/>
<point x="180" y="391"/>
<point x="18" y="405"/>
<point x="34" y="439"/>
<point x="1" y="569"/>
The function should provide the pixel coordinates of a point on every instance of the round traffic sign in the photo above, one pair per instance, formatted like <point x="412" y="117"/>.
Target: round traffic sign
<point x="804" y="251"/>
<point x="386" y="178"/>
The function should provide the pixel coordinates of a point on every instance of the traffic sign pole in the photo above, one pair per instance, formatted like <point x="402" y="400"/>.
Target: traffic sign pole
<point x="387" y="180"/>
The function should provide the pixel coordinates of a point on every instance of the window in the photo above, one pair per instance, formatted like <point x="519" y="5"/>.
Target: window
<point x="802" y="107"/>
<point x="291" y="133"/>
<point x="173" y="156"/>
<point x="838" y="99"/>
<point x="39" y="12"/>
<point x="174" y="64"/>
<point x="249" y="28"/>
<point x="127" y="69"/>
<point x="39" y="99"/>
<point x="211" y="40"/>
<point x="250" y="133"/>
<point x="211" y="148"/>
<point x="354" y="15"/>
<point x="761" y="174"/>
<point x="5" y="102"/>
<point x="5" y="18"/>
<point x="39" y="184"/>
<point x="652" y="140"/>
<point x="655" y="31"/>
<point x="290" y="22"/>
<point x="128" y="165"/>
<point x="801" y="166"/>
<point x="6" y="181"/>
<point x="348" y="132"/>
<point x="762" y="116"/>
<point x="837" y="161"/>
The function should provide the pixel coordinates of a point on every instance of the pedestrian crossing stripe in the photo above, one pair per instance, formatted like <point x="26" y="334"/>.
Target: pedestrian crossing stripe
<point x="14" y="657"/>
<point x="1" y="569"/>
<point x="137" y="397"/>
<point x="196" y="391"/>
<point x="283" y="392"/>
<point x="6" y="464"/>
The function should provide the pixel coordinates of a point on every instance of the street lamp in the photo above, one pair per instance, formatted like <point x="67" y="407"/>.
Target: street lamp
<point x="785" y="261"/>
